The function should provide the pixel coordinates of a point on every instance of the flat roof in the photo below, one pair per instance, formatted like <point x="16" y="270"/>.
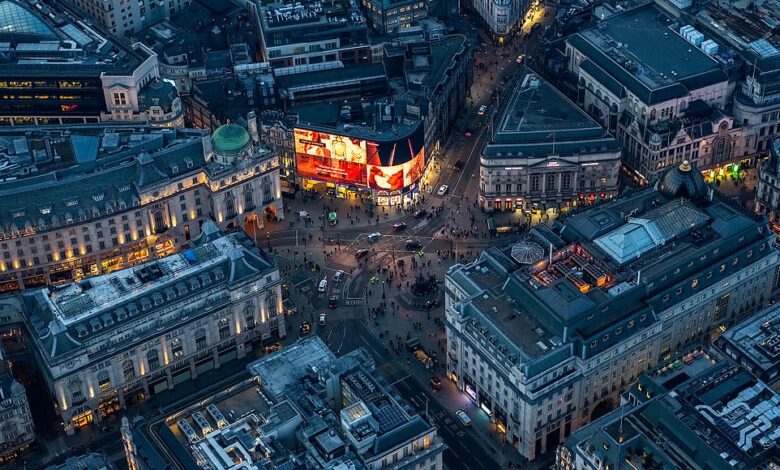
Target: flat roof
<point x="758" y="338"/>
<point x="643" y="51"/>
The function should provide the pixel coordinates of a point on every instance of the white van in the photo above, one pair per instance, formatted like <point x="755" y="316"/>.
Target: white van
<point x="323" y="285"/>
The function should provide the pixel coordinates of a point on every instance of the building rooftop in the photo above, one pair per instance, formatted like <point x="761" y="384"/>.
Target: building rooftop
<point x="641" y="51"/>
<point x="320" y="19"/>
<point x="84" y="462"/>
<point x="39" y="39"/>
<point x="758" y="341"/>
<point x="66" y="317"/>
<point x="611" y="267"/>
<point x="720" y="418"/>
<point x="540" y="120"/>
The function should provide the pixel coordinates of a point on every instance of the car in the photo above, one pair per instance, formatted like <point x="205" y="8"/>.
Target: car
<point x="458" y="165"/>
<point x="338" y="276"/>
<point x="304" y="329"/>
<point x="463" y="417"/>
<point x="361" y="254"/>
<point x="332" y="301"/>
<point x="303" y="214"/>
<point x="273" y="347"/>
<point x="435" y="383"/>
<point x="442" y="190"/>
<point x="467" y="133"/>
<point x="373" y="237"/>
<point x="420" y="214"/>
<point x="413" y="244"/>
<point x="399" y="226"/>
<point x="482" y="109"/>
<point x="323" y="286"/>
<point x="433" y="303"/>
<point x="322" y="319"/>
<point x="520" y="59"/>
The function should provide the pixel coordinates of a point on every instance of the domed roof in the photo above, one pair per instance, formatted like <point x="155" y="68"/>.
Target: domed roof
<point x="683" y="181"/>
<point x="229" y="139"/>
<point x="157" y="93"/>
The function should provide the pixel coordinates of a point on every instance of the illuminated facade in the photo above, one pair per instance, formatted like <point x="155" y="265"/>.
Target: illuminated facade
<point x="125" y="16"/>
<point x="553" y="159"/>
<point x="546" y="335"/>
<point x="353" y="160"/>
<point x="67" y="72"/>
<point x="105" y="198"/>
<point x="119" y="338"/>
<point x="388" y="17"/>
<point x="503" y="17"/>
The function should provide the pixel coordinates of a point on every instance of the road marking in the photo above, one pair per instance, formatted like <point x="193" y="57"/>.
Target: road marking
<point x="401" y="379"/>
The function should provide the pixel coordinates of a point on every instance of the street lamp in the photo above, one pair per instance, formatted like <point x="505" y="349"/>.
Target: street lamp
<point x="268" y="239"/>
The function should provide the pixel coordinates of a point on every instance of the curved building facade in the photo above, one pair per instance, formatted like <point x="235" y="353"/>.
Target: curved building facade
<point x="385" y="167"/>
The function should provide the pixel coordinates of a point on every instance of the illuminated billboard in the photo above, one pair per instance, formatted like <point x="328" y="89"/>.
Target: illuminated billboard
<point x="387" y="166"/>
<point x="395" y="177"/>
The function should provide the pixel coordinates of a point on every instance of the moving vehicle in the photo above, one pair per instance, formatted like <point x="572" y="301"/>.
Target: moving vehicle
<point x="458" y="165"/>
<point x="467" y="133"/>
<point x="322" y="319"/>
<point x="420" y="214"/>
<point x="303" y="214"/>
<point x="323" y="286"/>
<point x="520" y="59"/>
<point x="372" y="237"/>
<point x="463" y="417"/>
<point x="435" y="383"/>
<point x="338" y="276"/>
<point x="361" y="254"/>
<point x="332" y="301"/>
<point x="304" y="329"/>
<point x="399" y="226"/>
<point x="442" y="190"/>
<point x="482" y="109"/>
<point x="413" y="244"/>
<point x="333" y="218"/>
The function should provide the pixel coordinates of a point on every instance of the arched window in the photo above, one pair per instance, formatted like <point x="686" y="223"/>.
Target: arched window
<point x="266" y="187"/>
<point x="153" y="359"/>
<point x="230" y="206"/>
<point x="128" y="369"/>
<point x="249" y="315"/>
<point x="75" y="391"/>
<point x="249" y="200"/>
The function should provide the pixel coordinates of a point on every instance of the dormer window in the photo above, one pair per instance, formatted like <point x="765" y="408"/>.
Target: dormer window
<point x="46" y="210"/>
<point x="19" y="212"/>
<point x="98" y="197"/>
<point x="72" y="202"/>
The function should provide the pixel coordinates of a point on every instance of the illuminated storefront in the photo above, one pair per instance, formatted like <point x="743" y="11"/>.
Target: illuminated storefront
<point x="384" y="172"/>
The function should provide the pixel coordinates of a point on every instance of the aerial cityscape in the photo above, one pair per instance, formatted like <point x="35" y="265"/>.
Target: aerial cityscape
<point x="389" y="234"/>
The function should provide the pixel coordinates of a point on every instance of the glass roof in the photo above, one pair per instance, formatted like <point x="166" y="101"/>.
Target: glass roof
<point x="15" y="19"/>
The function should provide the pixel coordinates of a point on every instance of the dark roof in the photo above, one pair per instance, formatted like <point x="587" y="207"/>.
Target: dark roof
<point x="685" y="181"/>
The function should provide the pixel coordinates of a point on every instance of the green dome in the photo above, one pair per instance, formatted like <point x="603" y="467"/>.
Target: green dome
<point x="229" y="139"/>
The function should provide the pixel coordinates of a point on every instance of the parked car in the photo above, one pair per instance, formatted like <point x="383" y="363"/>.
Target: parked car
<point x="482" y="109"/>
<point x="373" y="237"/>
<point x="442" y="190"/>
<point x="467" y="133"/>
<point x="338" y="276"/>
<point x="332" y="301"/>
<point x="361" y="254"/>
<point x="323" y="286"/>
<point x="463" y="417"/>
<point x="520" y="59"/>
<point x="399" y="226"/>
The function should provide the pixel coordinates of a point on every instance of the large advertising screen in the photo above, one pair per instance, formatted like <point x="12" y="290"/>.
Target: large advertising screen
<point x="387" y="166"/>
<point x="390" y="178"/>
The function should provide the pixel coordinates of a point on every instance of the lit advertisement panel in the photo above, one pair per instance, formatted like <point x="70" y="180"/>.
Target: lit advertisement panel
<point x="390" y="178"/>
<point x="328" y="157"/>
<point x="385" y="165"/>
